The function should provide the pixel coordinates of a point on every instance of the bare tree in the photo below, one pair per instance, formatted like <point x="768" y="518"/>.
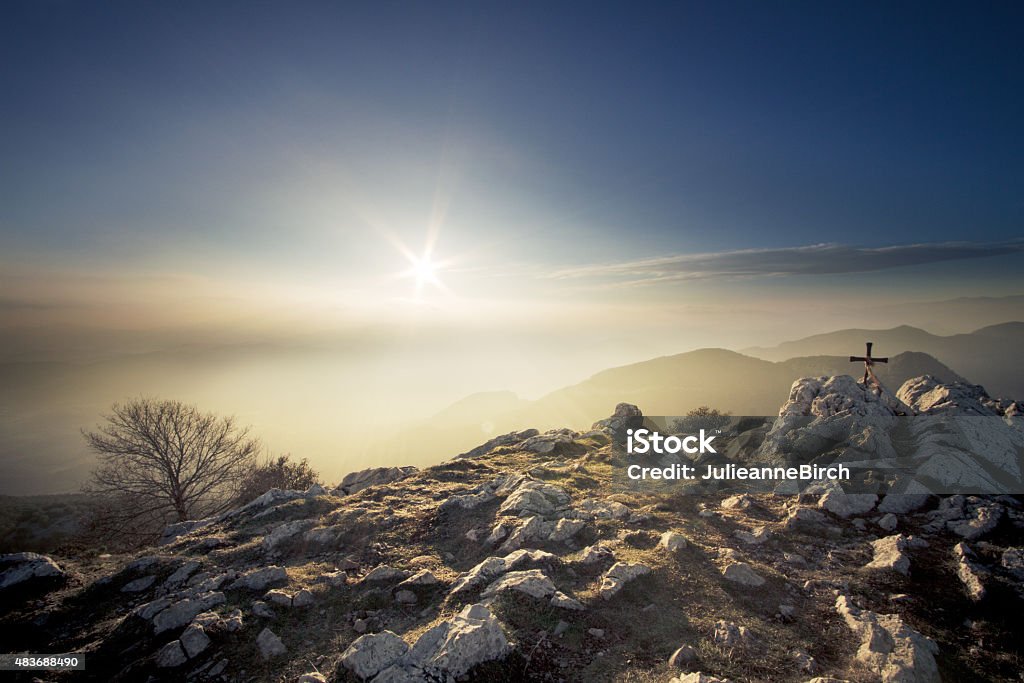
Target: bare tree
<point x="167" y="461"/>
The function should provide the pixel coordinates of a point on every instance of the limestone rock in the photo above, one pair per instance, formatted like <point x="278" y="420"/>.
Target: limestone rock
<point x="269" y="644"/>
<point x="535" y="498"/>
<point x="138" y="585"/>
<point x="504" y="440"/>
<point x="672" y="541"/>
<point x="618" y="575"/>
<point x="182" y="612"/>
<point x="626" y="416"/>
<point x="324" y="535"/>
<point x="565" y="529"/>
<point x="756" y="537"/>
<point x="182" y="573"/>
<point x="285" y="532"/>
<point x="743" y="574"/>
<point x="738" y="502"/>
<point x="261" y="609"/>
<point x="553" y="441"/>
<point x="728" y="634"/>
<point x="373" y="653"/>
<point x="262" y="578"/>
<point x="194" y="640"/>
<point x="971" y="575"/>
<point x="888" y="522"/>
<point x="979" y="520"/>
<point x="902" y="503"/>
<point x="1012" y="560"/>
<point x="532" y="582"/>
<point x="493" y="567"/>
<point x="29" y="571"/>
<point x="563" y="601"/>
<point x="595" y="554"/>
<point x="889" y="647"/>
<point x="278" y="597"/>
<point x="847" y="504"/>
<point x="354" y="482"/>
<point x="472" y="637"/>
<point x="683" y="657"/>
<point x="423" y="577"/>
<point x="889" y="554"/>
<point x="171" y="655"/>
<point x="384" y="573"/>
<point x="929" y="396"/>
<point x="592" y="508"/>
<point x="303" y="598"/>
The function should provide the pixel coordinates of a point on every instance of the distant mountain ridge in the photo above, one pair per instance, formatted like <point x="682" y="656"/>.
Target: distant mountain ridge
<point x="986" y="356"/>
<point x="669" y="385"/>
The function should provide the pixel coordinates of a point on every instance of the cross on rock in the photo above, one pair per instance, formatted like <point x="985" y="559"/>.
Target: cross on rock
<point x="868" y="362"/>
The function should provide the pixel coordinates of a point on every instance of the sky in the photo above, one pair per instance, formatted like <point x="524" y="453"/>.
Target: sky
<point x="467" y="196"/>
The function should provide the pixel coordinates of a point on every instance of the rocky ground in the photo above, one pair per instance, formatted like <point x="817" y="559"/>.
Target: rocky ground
<point x="522" y="560"/>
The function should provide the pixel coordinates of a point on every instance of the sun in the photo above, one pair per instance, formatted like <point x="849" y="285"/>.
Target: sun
<point x="424" y="270"/>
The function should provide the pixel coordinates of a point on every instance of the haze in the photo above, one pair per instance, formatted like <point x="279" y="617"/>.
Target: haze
<point x="333" y="222"/>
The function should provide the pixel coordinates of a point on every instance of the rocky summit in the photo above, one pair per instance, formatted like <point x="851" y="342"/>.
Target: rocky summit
<point x="521" y="560"/>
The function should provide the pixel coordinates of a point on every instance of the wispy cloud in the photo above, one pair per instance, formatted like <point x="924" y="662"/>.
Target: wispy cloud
<point x="813" y="259"/>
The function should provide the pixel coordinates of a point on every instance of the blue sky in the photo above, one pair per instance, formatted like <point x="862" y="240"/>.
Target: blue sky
<point x="296" y="143"/>
<point x="334" y="218"/>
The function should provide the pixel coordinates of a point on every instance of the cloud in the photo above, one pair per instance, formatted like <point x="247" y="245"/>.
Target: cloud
<point x="814" y="259"/>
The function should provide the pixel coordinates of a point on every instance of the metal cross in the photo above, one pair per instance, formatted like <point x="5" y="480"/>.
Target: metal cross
<point x="868" y="362"/>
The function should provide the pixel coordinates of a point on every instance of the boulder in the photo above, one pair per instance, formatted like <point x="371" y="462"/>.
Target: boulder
<point x="672" y="541"/>
<point x="625" y="416"/>
<point x="29" y="572"/>
<point x="472" y="637"/>
<point x="890" y="648"/>
<point x="372" y="653"/>
<point x="354" y="482"/>
<point x="269" y="644"/>
<point x="743" y="574"/>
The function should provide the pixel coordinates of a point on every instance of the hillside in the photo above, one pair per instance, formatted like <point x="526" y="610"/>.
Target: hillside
<point x="532" y="561"/>
<point x="979" y="355"/>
